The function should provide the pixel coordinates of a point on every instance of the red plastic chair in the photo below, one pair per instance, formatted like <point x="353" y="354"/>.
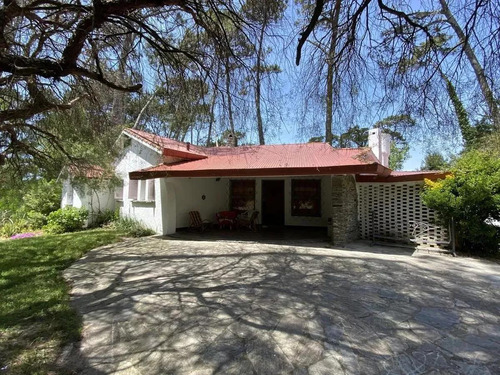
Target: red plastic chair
<point x="226" y="219"/>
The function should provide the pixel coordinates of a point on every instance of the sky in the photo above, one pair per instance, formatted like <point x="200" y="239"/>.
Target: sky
<point x="291" y="122"/>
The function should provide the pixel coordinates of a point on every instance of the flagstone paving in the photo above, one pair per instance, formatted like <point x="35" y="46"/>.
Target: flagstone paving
<point x="174" y="306"/>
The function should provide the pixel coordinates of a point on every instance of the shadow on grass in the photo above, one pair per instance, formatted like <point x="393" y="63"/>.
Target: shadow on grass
<point x="36" y="318"/>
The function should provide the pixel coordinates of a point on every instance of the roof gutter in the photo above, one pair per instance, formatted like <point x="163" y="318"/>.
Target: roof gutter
<point x="262" y="172"/>
<point x="404" y="178"/>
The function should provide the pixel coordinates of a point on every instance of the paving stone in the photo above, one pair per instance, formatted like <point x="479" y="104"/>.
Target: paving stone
<point x="437" y="317"/>
<point x="163" y="306"/>
<point x="327" y="366"/>
<point x="393" y="295"/>
<point x="472" y="368"/>
<point x="462" y="349"/>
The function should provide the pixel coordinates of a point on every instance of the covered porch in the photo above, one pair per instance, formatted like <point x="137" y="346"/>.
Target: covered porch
<point x="326" y="204"/>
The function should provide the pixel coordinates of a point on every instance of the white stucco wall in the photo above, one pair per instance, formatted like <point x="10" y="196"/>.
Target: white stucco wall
<point x="67" y="193"/>
<point x="92" y="200"/>
<point x="133" y="157"/>
<point x="188" y="197"/>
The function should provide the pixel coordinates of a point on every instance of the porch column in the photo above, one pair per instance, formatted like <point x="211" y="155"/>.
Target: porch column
<point x="344" y="210"/>
<point x="166" y="206"/>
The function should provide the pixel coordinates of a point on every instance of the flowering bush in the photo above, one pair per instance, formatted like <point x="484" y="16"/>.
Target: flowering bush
<point x="471" y="196"/>
<point x="25" y="235"/>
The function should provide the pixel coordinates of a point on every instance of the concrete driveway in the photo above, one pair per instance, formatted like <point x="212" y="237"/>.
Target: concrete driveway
<point x="173" y="306"/>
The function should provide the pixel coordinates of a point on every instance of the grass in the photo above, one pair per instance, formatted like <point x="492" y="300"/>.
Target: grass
<point x="36" y="319"/>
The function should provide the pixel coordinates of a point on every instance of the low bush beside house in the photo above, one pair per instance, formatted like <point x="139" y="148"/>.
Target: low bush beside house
<point x="131" y="227"/>
<point x="104" y="218"/>
<point x="67" y="219"/>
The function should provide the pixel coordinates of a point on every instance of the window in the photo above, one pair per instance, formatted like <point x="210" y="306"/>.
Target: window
<point x="150" y="196"/>
<point x="119" y="191"/>
<point x="143" y="190"/>
<point x="133" y="188"/>
<point x="306" y="197"/>
<point x="242" y="195"/>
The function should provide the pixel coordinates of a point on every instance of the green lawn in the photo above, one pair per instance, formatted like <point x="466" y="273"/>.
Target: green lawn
<point x="36" y="319"/>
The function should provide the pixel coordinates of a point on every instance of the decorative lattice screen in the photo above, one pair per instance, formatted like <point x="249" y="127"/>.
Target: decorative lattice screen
<point x="387" y="211"/>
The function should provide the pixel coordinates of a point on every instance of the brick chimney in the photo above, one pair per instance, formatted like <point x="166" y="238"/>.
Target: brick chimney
<point x="380" y="143"/>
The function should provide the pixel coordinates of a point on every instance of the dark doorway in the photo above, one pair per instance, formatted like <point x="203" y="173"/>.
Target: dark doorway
<point x="273" y="202"/>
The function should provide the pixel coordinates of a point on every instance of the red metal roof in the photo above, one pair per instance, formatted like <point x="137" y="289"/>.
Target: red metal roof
<point x="167" y="146"/>
<point x="268" y="160"/>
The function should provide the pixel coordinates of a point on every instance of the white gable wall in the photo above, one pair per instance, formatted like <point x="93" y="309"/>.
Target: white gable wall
<point x="139" y="156"/>
<point x="92" y="200"/>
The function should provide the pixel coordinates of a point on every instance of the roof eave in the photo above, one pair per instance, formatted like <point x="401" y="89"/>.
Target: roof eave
<point x="405" y="178"/>
<point x="182" y="154"/>
<point x="261" y="172"/>
<point x="150" y="145"/>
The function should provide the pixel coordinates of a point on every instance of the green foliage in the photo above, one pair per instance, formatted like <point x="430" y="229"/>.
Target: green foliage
<point x="398" y="156"/>
<point x="10" y="196"/>
<point x="36" y="219"/>
<point x="175" y="109"/>
<point x="67" y="219"/>
<point x="434" y="161"/>
<point x="25" y="206"/>
<point x="470" y="195"/>
<point x="131" y="227"/>
<point x="36" y="318"/>
<point x="316" y="139"/>
<point x="355" y="136"/>
<point x="103" y="218"/>
<point x="14" y="226"/>
<point x="43" y="197"/>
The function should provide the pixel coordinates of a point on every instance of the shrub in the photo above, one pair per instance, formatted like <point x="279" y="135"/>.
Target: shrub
<point x="36" y="219"/>
<point x="471" y="195"/>
<point x="132" y="228"/>
<point x="43" y="197"/>
<point x="67" y="219"/>
<point x="103" y="218"/>
<point x="14" y="226"/>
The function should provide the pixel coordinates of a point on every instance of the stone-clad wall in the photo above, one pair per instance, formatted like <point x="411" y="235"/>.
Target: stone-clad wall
<point x="344" y="210"/>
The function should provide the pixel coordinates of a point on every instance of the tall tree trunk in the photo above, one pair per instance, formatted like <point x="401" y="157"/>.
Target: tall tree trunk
<point x="260" y="125"/>
<point x="476" y="65"/>
<point x="467" y="131"/>
<point x="212" y="109"/>
<point x="118" y="106"/>
<point x="229" y="99"/>
<point x="212" y="118"/>
<point x="143" y="109"/>
<point x="331" y="72"/>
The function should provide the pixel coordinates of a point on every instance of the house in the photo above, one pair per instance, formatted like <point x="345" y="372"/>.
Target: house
<point x="95" y="195"/>
<point x="350" y="191"/>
